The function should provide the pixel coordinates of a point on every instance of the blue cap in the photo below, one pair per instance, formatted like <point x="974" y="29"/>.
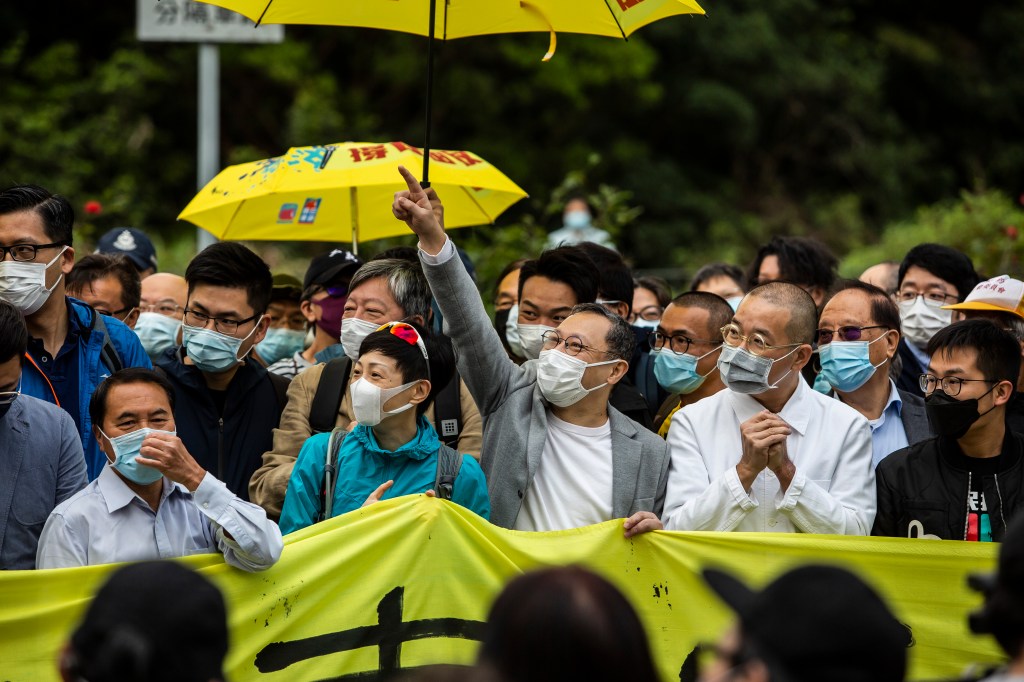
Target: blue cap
<point x="131" y="243"/>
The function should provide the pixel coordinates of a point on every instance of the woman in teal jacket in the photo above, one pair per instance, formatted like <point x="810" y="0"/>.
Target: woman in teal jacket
<point x="393" y="449"/>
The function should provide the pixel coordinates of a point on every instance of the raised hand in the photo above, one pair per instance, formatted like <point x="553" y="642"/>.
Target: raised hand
<point x="167" y="454"/>
<point x="378" y="493"/>
<point x="422" y="211"/>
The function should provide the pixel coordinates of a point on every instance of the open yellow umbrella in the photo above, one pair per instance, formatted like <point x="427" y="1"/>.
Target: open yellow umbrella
<point x="343" y="192"/>
<point x="465" y="18"/>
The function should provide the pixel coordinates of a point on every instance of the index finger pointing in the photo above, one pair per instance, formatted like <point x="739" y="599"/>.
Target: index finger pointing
<point x="414" y="185"/>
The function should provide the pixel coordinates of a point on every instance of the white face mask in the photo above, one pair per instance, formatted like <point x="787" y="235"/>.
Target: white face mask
<point x="530" y="339"/>
<point x="23" y="285"/>
<point x="512" y="332"/>
<point x="157" y="333"/>
<point x="353" y="332"/>
<point x="921" y="321"/>
<point x="560" y="378"/>
<point x="641" y="323"/>
<point x="368" y="401"/>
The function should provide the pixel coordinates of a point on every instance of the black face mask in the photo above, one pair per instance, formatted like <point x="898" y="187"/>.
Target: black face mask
<point x="500" y="324"/>
<point x="951" y="417"/>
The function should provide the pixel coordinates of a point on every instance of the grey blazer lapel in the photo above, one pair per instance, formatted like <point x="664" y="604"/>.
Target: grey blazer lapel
<point x="12" y="451"/>
<point x="626" y="456"/>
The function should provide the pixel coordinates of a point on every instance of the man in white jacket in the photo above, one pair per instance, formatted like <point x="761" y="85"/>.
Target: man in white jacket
<point x="770" y="454"/>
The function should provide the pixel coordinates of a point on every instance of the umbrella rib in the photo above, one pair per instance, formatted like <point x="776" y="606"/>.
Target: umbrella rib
<point x="473" y="199"/>
<point x="610" y="10"/>
<point x="263" y="13"/>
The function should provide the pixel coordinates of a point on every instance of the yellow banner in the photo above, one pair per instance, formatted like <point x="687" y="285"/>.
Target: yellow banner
<point x="408" y="582"/>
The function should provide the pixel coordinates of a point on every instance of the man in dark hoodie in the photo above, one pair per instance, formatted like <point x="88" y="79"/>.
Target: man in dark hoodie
<point x="966" y="483"/>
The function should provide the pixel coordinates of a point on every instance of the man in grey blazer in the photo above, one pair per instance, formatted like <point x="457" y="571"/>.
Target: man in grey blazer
<point x="556" y="455"/>
<point x="41" y="460"/>
<point x="858" y="335"/>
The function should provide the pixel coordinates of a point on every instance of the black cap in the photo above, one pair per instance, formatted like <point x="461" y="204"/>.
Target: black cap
<point x="325" y="268"/>
<point x="130" y="242"/>
<point x="818" y="623"/>
<point x="1004" y="589"/>
<point x="156" y="619"/>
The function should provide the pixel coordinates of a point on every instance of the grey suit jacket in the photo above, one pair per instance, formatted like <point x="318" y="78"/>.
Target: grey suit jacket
<point x="914" y="418"/>
<point x="516" y="416"/>
<point x="41" y="465"/>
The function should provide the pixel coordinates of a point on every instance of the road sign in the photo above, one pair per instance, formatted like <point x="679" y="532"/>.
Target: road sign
<point x="196" y="22"/>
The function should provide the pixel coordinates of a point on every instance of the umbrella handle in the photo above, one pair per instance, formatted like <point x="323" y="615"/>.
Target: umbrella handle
<point x="425" y="182"/>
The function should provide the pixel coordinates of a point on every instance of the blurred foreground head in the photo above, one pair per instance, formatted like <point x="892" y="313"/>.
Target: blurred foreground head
<point x="154" y="621"/>
<point x="562" y="624"/>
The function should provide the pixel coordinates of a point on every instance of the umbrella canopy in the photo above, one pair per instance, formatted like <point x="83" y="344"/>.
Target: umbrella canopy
<point x="343" y="193"/>
<point x="465" y="18"/>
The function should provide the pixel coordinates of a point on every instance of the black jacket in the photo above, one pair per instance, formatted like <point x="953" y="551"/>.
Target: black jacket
<point x="925" y="489"/>
<point x="909" y="379"/>
<point x="228" y="445"/>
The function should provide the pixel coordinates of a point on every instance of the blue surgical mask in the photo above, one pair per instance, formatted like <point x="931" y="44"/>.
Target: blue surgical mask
<point x="157" y="332"/>
<point x="677" y="372"/>
<point x="126" y="449"/>
<point x="280" y="343"/>
<point x="846" y="365"/>
<point x="734" y="302"/>
<point x="577" y="219"/>
<point x="212" y="351"/>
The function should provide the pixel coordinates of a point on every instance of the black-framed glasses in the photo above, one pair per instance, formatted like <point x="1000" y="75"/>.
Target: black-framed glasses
<point x="950" y="385"/>
<point x="650" y="313"/>
<point x="677" y="343"/>
<point x="824" y="336"/>
<point x="756" y="344"/>
<point x="573" y="345"/>
<point x="25" y="252"/>
<point x="225" y="325"/>
<point x="114" y="313"/>
<point x="934" y="299"/>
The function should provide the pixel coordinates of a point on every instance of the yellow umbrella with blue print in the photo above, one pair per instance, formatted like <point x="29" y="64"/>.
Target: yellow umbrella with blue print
<point x="343" y="193"/>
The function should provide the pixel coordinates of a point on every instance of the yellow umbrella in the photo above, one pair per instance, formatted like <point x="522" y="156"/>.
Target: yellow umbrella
<point x="465" y="18"/>
<point x="343" y="192"/>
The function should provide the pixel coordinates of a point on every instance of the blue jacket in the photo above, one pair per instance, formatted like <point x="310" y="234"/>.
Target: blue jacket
<point x="91" y="371"/>
<point x="41" y="465"/>
<point x="363" y="466"/>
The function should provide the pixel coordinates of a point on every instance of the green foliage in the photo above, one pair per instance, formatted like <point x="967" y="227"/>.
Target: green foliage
<point x="984" y="225"/>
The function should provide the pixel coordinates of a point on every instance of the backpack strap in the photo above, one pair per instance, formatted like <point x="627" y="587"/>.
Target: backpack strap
<point x="323" y="411"/>
<point x="448" y="412"/>
<point x="330" y="473"/>
<point x="280" y="384"/>
<point x="108" y="354"/>
<point x="449" y="462"/>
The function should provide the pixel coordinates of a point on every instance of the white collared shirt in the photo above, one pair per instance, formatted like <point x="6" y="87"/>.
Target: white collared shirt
<point x="832" y="492"/>
<point x="106" y="522"/>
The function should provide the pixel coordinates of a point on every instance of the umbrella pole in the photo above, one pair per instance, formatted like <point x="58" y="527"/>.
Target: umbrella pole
<point x="354" y="212"/>
<point x="430" y="95"/>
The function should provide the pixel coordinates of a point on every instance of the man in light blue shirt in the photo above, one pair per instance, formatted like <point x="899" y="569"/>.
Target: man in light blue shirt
<point x="152" y="500"/>
<point x="858" y="336"/>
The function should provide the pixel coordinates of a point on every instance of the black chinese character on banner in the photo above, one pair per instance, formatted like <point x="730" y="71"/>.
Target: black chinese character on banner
<point x="388" y="635"/>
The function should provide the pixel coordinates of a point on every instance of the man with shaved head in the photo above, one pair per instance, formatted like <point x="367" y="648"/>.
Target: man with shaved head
<point x="162" y="305"/>
<point x="769" y="453"/>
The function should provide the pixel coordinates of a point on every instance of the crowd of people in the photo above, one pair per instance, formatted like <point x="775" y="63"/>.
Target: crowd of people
<point x="216" y="411"/>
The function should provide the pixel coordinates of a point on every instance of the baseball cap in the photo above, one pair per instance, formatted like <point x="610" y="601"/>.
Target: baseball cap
<point x="328" y="266"/>
<point x="285" y="286"/>
<point x="130" y="242"/>
<point x="1003" y="294"/>
<point x="818" y="623"/>
<point x="165" y="619"/>
<point x="1004" y="589"/>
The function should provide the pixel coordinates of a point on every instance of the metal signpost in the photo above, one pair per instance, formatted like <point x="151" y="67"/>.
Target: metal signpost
<point x="195" y="22"/>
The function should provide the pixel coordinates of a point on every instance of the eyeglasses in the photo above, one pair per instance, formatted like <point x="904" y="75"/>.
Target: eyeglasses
<point x="115" y="313"/>
<point x="844" y="333"/>
<point x="573" y="345"/>
<point x="25" y="252"/>
<point x="225" y="325"/>
<point x="608" y="304"/>
<point x="950" y="385"/>
<point x="934" y="299"/>
<point x="168" y="308"/>
<point x="756" y="343"/>
<point x="677" y="343"/>
<point x="651" y="313"/>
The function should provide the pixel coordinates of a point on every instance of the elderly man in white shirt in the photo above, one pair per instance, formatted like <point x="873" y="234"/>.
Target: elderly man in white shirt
<point x="152" y="500"/>
<point x="770" y="454"/>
